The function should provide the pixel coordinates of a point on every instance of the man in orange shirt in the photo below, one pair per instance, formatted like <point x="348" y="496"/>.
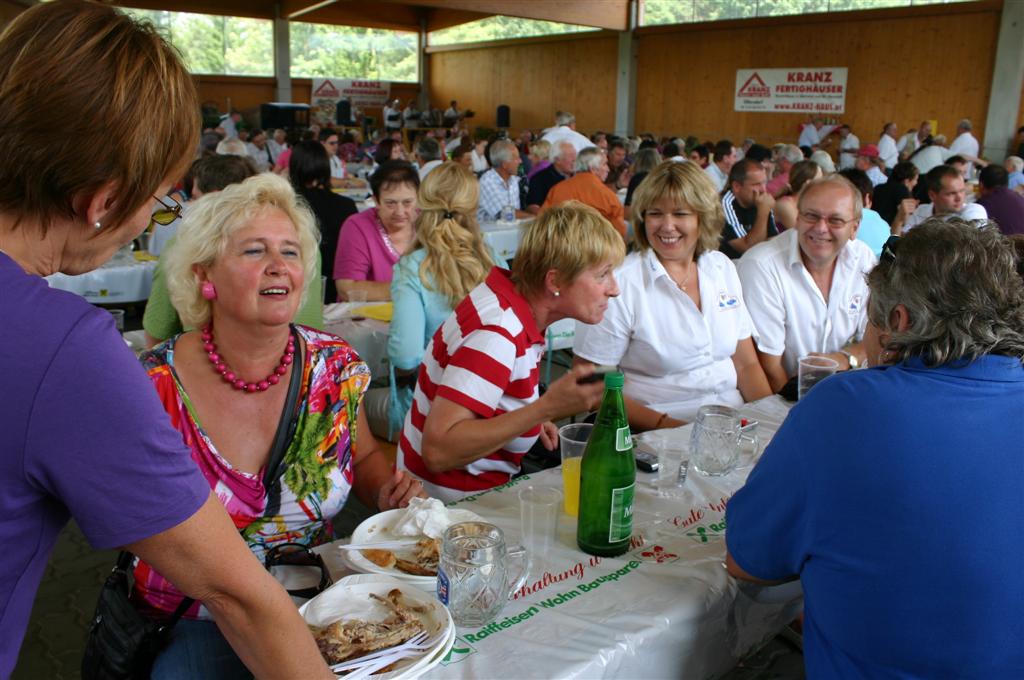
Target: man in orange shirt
<point x="587" y="186"/>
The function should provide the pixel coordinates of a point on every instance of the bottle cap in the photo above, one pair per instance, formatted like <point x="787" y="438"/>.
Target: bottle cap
<point x="614" y="379"/>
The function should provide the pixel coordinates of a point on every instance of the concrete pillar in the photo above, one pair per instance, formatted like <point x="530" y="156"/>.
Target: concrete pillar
<point x="1007" y="81"/>
<point x="282" y="58"/>
<point x="625" y="81"/>
<point x="424" y="66"/>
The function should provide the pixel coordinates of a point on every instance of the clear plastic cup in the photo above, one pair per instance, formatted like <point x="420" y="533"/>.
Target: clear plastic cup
<point x="572" y="441"/>
<point x="356" y="299"/>
<point x="118" y="315"/>
<point x="811" y="371"/>
<point x="538" y="508"/>
<point x="673" y="463"/>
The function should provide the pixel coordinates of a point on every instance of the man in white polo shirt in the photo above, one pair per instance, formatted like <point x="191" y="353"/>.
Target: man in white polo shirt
<point x="805" y="289"/>
<point x="947" y="191"/>
<point x="848" y="147"/>
<point x="888" y="152"/>
<point x="965" y="144"/>
<point x="724" y="158"/>
<point x="565" y="131"/>
<point x="813" y="134"/>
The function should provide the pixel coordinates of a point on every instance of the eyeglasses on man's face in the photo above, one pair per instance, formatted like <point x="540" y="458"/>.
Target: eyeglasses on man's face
<point x="833" y="221"/>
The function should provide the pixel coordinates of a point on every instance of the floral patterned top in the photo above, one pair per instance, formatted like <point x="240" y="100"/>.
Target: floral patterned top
<point x="316" y="473"/>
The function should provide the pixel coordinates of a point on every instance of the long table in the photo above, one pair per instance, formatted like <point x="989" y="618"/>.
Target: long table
<point x="125" y="281"/>
<point x="504" y="237"/>
<point x="666" y="609"/>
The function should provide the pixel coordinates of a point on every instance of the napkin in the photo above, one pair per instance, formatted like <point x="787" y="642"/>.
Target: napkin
<point x="423" y="517"/>
<point x="381" y="312"/>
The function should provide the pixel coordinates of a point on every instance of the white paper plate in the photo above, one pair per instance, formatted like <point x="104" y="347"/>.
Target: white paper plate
<point x="349" y="598"/>
<point x="378" y="528"/>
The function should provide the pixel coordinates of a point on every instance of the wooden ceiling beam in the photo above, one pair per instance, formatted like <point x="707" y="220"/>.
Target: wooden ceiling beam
<point x="611" y="14"/>
<point x="441" y="18"/>
<point x="399" y="17"/>
<point x="404" y="14"/>
<point x="258" y="9"/>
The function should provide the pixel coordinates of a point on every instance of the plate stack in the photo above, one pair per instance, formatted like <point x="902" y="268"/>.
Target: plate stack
<point x="350" y="598"/>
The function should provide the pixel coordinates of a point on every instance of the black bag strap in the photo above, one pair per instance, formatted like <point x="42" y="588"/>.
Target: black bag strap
<point x="286" y="426"/>
<point x="124" y="565"/>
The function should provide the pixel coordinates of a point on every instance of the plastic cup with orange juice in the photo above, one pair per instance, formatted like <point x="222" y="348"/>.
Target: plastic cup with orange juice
<point x="572" y="440"/>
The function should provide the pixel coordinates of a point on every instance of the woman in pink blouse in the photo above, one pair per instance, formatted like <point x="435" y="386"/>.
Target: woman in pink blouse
<point x="371" y="242"/>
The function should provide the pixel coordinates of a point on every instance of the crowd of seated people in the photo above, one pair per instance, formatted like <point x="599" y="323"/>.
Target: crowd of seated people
<point x="703" y="270"/>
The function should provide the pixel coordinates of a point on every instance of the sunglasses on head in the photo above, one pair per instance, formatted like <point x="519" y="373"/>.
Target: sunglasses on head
<point x="298" y="555"/>
<point x="888" y="255"/>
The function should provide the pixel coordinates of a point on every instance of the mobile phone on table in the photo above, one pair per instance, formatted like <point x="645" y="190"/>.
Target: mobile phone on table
<point x="597" y="375"/>
<point x="646" y="461"/>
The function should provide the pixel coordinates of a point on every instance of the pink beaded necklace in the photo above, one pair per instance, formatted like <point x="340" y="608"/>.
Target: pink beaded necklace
<point x="221" y="367"/>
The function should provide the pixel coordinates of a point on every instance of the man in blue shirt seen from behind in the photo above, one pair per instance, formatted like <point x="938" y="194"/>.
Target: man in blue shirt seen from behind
<point x="894" y="493"/>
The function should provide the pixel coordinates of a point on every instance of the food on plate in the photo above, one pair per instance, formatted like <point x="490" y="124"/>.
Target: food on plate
<point x="423" y="560"/>
<point x="344" y="640"/>
<point x="382" y="558"/>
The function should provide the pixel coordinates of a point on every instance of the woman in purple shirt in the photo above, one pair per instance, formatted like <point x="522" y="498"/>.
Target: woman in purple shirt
<point x="84" y="435"/>
<point x="371" y="242"/>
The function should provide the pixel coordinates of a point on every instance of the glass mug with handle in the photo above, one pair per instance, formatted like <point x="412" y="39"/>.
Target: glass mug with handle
<point x="716" y="438"/>
<point x="477" y="573"/>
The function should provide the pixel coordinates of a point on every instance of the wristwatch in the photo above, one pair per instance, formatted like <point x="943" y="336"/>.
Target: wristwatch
<point x="851" y="357"/>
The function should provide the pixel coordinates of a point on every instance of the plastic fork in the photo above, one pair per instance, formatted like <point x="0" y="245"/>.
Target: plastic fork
<point x="381" y="658"/>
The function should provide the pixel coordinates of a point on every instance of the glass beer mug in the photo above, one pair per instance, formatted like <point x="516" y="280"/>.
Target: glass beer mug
<point x="715" y="440"/>
<point x="477" y="574"/>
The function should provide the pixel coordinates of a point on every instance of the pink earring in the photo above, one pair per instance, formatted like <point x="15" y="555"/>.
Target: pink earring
<point x="208" y="291"/>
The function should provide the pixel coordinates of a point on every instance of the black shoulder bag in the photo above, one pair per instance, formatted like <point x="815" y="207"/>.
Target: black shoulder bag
<point x="122" y="643"/>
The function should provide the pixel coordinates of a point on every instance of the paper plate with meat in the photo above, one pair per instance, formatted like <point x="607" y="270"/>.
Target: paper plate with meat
<point x="421" y="525"/>
<point x="369" y="614"/>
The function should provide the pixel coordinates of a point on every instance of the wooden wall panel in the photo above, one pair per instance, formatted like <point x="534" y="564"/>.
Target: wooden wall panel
<point x="905" y="66"/>
<point x="535" y="78"/>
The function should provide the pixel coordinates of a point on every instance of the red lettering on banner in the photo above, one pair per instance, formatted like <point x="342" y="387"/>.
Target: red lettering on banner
<point x="809" y="77"/>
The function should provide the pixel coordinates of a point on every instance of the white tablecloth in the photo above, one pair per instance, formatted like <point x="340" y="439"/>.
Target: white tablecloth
<point x="666" y="609"/>
<point x="368" y="337"/>
<point x="109" y="284"/>
<point x="504" y="236"/>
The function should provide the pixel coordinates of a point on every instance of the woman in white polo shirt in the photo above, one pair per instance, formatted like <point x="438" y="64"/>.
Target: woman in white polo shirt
<point x="679" y="330"/>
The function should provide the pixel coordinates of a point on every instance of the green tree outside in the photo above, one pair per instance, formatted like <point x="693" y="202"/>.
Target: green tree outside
<point x="656" y="12"/>
<point x="324" y="51"/>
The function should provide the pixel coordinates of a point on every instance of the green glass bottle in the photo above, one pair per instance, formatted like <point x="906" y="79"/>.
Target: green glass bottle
<point x="607" y="478"/>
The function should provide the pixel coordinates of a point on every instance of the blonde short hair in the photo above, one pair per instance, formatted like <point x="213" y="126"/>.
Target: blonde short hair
<point x="685" y="184"/>
<point x="541" y="149"/>
<point x="206" y="228"/>
<point x="567" y="238"/>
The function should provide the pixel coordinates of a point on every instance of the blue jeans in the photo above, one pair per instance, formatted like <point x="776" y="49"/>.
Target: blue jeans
<point x="198" y="651"/>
